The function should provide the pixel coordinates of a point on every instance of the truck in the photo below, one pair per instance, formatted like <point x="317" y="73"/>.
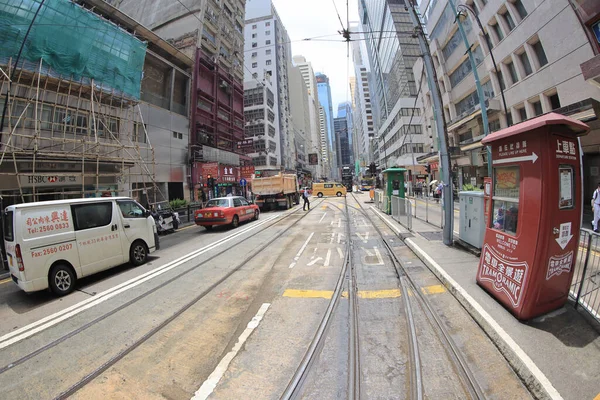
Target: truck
<point x="279" y="191"/>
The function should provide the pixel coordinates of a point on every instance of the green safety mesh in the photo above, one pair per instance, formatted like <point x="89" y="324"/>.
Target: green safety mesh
<point x="75" y="43"/>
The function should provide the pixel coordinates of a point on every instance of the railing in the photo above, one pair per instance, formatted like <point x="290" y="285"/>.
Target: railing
<point x="402" y="211"/>
<point x="429" y="210"/>
<point x="585" y="286"/>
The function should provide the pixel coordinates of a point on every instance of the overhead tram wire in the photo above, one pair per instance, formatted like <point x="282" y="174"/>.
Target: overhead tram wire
<point x="338" y="15"/>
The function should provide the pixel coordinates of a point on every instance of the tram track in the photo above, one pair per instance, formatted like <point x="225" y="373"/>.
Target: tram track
<point x="409" y="286"/>
<point x="113" y="360"/>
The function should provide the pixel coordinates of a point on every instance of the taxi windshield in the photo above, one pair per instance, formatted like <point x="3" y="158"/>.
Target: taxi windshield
<point x="218" y="203"/>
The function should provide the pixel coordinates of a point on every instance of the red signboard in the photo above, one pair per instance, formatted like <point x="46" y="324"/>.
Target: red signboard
<point x="228" y="174"/>
<point x="247" y="171"/>
<point x="434" y="166"/>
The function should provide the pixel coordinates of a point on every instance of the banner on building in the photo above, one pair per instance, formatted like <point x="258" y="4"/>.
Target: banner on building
<point x="247" y="171"/>
<point x="313" y="159"/>
<point x="228" y="174"/>
<point x="246" y="144"/>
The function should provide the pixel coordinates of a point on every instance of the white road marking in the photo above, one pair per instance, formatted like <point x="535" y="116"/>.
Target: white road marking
<point x="327" y="258"/>
<point x="340" y="237"/>
<point x="361" y="237"/>
<point x="366" y="236"/>
<point x="369" y="253"/>
<point x="378" y="256"/>
<point x="210" y="384"/>
<point x="313" y="262"/>
<point x="292" y="265"/>
<point x="339" y="223"/>
<point x="340" y="252"/>
<point x="491" y="323"/>
<point x="332" y="237"/>
<point x="51" y="320"/>
<point x="324" y="214"/>
<point x="303" y="246"/>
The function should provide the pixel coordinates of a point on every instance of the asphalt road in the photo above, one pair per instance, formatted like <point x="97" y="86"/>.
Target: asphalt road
<point x="247" y="316"/>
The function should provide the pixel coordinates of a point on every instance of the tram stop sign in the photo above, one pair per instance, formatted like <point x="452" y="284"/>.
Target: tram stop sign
<point x="243" y="182"/>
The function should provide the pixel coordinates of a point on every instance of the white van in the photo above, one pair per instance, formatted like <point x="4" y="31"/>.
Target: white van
<point x="54" y="243"/>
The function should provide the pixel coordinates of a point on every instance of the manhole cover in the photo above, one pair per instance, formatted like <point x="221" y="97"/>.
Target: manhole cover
<point x="432" y="235"/>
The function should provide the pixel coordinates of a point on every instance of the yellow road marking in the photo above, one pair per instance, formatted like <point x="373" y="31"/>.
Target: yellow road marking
<point x="187" y="227"/>
<point x="597" y="397"/>
<point x="311" y="294"/>
<point x="5" y="281"/>
<point x="379" y="294"/>
<point x="433" y="289"/>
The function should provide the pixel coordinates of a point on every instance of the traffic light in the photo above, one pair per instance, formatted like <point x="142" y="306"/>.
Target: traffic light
<point x="209" y="180"/>
<point x="372" y="169"/>
<point x="428" y="168"/>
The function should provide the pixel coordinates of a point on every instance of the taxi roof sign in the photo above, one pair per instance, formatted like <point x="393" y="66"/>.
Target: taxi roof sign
<point x="578" y="128"/>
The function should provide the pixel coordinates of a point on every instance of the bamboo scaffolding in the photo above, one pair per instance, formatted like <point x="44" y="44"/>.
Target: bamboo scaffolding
<point x="67" y="118"/>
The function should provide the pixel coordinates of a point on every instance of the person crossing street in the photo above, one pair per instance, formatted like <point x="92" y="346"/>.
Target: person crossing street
<point x="596" y="207"/>
<point x="305" y="196"/>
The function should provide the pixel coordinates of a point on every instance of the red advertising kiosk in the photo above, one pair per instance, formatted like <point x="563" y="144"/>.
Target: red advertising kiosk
<point x="533" y="214"/>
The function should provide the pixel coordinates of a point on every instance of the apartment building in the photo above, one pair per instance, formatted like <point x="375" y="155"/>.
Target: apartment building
<point x="393" y="84"/>
<point x="538" y="48"/>
<point x="268" y="57"/>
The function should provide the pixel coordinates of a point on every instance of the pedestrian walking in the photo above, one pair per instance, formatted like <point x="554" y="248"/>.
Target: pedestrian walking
<point x="596" y="207"/>
<point x="305" y="198"/>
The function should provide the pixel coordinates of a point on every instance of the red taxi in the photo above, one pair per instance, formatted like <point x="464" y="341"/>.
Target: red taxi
<point x="226" y="211"/>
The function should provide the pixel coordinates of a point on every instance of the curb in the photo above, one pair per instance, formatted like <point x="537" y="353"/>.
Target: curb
<point x="533" y="378"/>
<point x="4" y="275"/>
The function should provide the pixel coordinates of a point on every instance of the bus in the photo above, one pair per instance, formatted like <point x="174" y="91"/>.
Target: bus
<point x="367" y="183"/>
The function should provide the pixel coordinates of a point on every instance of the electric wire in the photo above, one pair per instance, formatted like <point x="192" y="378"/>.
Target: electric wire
<point x="338" y="15"/>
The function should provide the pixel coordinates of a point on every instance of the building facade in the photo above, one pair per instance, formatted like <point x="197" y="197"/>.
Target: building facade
<point x="268" y="57"/>
<point x="324" y="93"/>
<point x="538" y="48"/>
<point x="392" y="82"/>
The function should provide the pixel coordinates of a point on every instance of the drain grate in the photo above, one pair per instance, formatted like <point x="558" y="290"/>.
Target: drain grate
<point x="432" y="236"/>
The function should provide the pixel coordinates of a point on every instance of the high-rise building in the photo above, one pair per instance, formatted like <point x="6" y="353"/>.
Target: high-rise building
<point x="392" y="82"/>
<point x="308" y="75"/>
<point x="538" y="53"/>
<point x="211" y="33"/>
<point x="325" y="99"/>
<point x="346" y="147"/>
<point x="324" y="142"/>
<point x="268" y="58"/>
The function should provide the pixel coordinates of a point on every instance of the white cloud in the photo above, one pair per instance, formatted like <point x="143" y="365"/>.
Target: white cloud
<point x="313" y="18"/>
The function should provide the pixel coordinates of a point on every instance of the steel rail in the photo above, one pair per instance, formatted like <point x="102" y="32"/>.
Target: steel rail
<point x="294" y="387"/>
<point x="102" y="317"/>
<point x="464" y="372"/>
<point x="353" y="342"/>
<point x="119" y="356"/>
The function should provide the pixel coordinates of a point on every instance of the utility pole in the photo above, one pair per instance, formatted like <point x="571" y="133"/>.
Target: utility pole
<point x="440" y="123"/>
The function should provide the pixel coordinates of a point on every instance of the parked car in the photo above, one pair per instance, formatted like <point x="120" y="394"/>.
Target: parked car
<point x="226" y="211"/>
<point x="166" y="218"/>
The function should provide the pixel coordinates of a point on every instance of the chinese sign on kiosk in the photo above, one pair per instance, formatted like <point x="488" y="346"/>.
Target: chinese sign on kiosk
<point x="533" y="210"/>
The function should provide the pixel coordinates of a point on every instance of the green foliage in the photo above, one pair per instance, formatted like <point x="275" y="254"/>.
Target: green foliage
<point x="178" y="203"/>
<point x="470" y="188"/>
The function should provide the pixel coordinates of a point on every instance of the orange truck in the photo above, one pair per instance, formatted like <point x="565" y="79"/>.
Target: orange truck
<point x="279" y="191"/>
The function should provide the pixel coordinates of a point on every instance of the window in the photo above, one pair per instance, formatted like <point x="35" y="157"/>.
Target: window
<point x="537" y="107"/>
<point x="237" y="202"/>
<point x="522" y="114"/>
<point x="328" y="185"/>
<point x="567" y="187"/>
<point x="139" y="132"/>
<point x="268" y="62"/>
<point x="254" y="65"/>
<point x="506" y="199"/>
<point x="267" y="42"/>
<point x="540" y="53"/>
<point x="254" y="54"/>
<point x="513" y="72"/>
<point x="268" y="23"/>
<point x="254" y="44"/>
<point x="498" y="31"/>
<point x="254" y="36"/>
<point x="131" y="209"/>
<point x="520" y="9"/>
<point x="525" y="62"/>
<point x="253" y="26"/>
<point x="554" y="101"/>
<point x="8" y="226"/>
<point x="501" y="80"/>
<point x="268" y="51"/>
<point x="508" y="20"/>
<point x="93" y="215"/>
<point x="267" y="32"/>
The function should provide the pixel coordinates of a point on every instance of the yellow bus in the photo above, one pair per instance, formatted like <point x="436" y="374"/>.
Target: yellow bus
<point x="328" y="189"/>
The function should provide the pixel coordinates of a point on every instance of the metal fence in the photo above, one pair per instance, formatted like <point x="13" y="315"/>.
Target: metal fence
<point x="585" y="286"/>
<point x="429" y="210"/>
<point x="402" y="211"/>
<point x="186" y="214"/>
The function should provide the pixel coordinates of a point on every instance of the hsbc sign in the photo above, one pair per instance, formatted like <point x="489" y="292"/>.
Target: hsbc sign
<point x="49" y="180"/>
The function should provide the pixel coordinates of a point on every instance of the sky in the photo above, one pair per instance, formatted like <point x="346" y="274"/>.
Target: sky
<point x="313" y="18"/>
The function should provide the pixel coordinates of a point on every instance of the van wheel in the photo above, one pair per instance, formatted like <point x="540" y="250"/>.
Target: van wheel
<point x="339" y="194"/>
<point x="256" y="214"/>
<point x="138" y="254"/>
<point x="175" y="224"/>
<point x="62" y="280"/>
<point x="235" y="222"/>
<point x="319" y="195"/>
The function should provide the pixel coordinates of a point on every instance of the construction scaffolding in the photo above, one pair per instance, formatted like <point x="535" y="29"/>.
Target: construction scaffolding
<point x="73" y="125"/>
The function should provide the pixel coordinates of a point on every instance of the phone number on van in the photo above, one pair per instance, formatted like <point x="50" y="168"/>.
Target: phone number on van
<point x="48" y="228"/>
<point x="52" y="250"/>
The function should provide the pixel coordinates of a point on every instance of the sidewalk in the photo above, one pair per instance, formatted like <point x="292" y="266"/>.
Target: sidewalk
<point x="557" y="355"/>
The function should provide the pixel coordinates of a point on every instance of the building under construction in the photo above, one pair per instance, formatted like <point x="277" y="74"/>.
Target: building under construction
<point x="72" y="112"/>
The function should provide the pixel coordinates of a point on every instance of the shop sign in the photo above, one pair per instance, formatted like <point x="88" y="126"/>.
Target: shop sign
<point x="49" y="180"/>
<point x="434" y="166"/>
<point x="247" y="171"/>
<point x="229" y="174"/>
<point x="507" y="277"/>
